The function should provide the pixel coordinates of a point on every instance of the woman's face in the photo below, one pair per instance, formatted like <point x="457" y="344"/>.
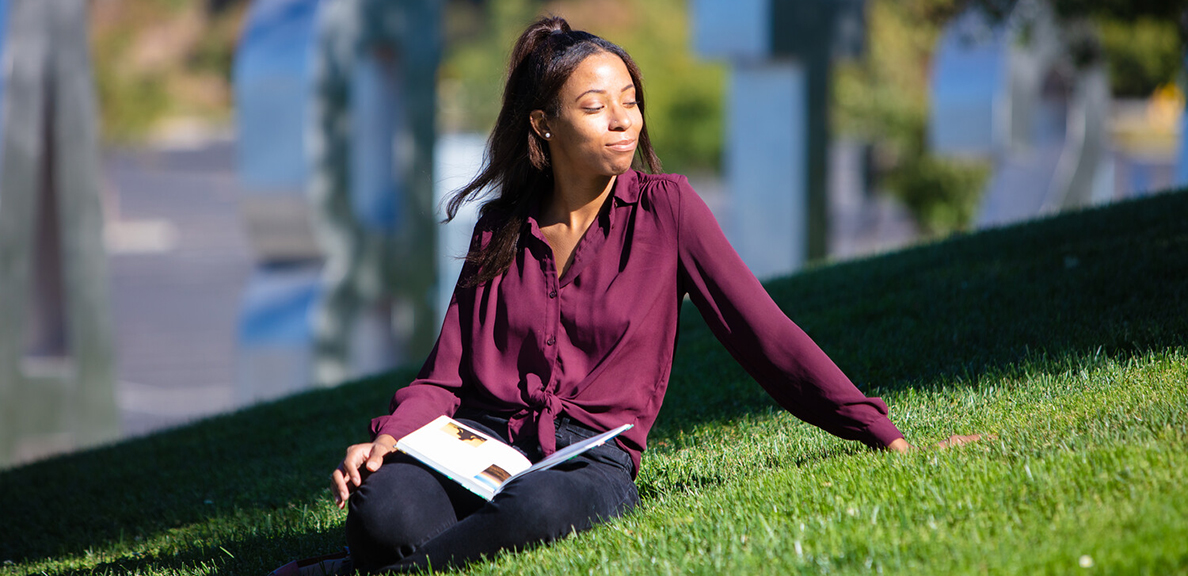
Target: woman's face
<point x="597" y="125"/>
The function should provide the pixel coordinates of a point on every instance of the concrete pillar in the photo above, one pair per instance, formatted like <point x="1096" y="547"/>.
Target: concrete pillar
<point x="56" y="394"/>
<point x="765" y="165"/>
<point x="778" y="119"/>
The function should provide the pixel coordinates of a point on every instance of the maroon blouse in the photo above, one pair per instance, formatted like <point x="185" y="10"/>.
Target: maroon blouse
<point x="597" y="343"/>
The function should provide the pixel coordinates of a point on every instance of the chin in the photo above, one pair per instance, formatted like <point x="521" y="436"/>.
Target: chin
<point x="619" y="166"/>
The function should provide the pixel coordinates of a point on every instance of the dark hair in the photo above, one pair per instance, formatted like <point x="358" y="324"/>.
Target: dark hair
<point x="516" y="163"/>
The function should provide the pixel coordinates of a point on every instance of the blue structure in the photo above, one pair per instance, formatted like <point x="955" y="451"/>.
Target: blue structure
<point x="1017" y="100"/>
<point x="777" y="118"/>
<point x="335" y="107"/>
<point x="375" y="192"/>
<point x="969" y="89"/>
<point x="1182" y="164"/>
<point x="271" y="79"/>
<point x="1182" y="159"/>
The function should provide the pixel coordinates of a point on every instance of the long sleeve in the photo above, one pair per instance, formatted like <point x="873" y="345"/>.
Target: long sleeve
<point x="774" y="350"/>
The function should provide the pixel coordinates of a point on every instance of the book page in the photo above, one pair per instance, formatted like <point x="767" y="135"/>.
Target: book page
<point x="462" y="453"/>
<point x="576" y="448"/>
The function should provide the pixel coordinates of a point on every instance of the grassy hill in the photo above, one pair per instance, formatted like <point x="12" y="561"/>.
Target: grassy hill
<point x="1066" y="339"/>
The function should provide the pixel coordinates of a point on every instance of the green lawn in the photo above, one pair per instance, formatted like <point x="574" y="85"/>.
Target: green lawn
<point x="1066" y="339"/>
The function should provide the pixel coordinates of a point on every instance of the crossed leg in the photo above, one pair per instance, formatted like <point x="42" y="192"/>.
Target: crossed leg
<point x="406" y="517"/>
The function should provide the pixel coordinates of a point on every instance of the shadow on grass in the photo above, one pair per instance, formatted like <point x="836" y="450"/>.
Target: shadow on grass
<point x="251" y="555"/>
<point x="1112" y="281"/>
<point x="266" y="458"/>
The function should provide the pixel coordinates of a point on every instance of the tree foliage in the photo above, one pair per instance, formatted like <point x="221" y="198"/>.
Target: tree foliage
<point x="154" y="59"/>
<point x="1141" y="54"/>
<point x="883" y="97"/>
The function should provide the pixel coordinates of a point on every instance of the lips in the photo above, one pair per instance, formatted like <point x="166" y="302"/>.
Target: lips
<point x="623" y="145"/>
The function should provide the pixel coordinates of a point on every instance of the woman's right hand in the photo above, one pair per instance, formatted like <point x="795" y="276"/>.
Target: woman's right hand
<point x="360" y="460"/>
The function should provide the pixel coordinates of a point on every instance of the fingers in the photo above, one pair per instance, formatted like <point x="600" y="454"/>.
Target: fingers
<point x="376" y="459"/>
<point x="346" y="476"/>
<point x="349" y="474"/>
<point x="339" y="488"/>
<point x="958" y="440"/>
<point x="352" y="463"/>
<point x="902" y="446"/>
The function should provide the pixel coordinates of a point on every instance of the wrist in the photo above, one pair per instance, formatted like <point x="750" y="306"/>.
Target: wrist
<point x="386" y="441"/>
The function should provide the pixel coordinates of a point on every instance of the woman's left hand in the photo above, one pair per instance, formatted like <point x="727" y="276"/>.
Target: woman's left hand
<point x="958" y="439"/>
<point x="900" y="445"/>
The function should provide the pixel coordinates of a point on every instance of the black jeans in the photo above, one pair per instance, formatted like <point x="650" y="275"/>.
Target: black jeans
<point x="407" y="517"/>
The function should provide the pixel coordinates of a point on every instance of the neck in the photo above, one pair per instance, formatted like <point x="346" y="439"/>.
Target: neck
<point x="576" y="201"/>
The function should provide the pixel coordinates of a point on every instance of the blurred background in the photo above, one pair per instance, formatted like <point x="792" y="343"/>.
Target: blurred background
<point x="206" y="204"/>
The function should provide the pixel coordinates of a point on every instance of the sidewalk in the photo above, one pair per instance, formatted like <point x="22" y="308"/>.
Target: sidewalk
<point x="178" y="263"/>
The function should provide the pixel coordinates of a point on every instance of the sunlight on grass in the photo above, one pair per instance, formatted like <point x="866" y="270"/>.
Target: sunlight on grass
<point x="1078" y="466"/>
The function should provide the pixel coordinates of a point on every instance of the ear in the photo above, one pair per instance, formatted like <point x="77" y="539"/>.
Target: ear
<point x="540" y="124"/>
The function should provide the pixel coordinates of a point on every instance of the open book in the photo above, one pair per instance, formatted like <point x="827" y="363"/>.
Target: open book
<point x="482" y="464"/>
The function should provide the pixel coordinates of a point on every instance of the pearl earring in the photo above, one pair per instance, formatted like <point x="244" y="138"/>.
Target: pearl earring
<point x="548" y="135"/>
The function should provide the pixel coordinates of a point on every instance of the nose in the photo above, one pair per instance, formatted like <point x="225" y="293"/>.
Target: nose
<point x="620" y="118"/>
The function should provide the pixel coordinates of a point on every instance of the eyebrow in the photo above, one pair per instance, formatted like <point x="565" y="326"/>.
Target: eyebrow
<point x="600" y="91"/>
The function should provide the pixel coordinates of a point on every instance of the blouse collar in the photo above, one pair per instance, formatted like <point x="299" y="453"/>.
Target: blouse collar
<point x="627" y="187"/>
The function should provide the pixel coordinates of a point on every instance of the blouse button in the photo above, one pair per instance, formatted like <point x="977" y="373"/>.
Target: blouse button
<point x="551" y="341"/>
<point x="552" y="293"/>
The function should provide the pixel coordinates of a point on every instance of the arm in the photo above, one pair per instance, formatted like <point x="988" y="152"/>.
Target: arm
<point x="773" y="350"/>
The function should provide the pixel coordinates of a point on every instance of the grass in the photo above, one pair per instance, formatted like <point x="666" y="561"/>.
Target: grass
<point x="1067" y="339"/>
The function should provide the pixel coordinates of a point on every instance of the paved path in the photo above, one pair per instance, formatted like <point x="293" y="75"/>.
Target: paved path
<point x="178" y="263"/>
<point x="1019" y="188"/>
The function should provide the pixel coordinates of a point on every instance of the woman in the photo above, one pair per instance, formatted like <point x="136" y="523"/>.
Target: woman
<point x="564" y="322"/>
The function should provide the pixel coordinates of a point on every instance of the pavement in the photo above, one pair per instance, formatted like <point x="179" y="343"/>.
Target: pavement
<point x="179" y="260"/>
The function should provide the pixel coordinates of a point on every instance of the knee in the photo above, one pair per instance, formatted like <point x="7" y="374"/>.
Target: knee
<point x="548" y="512"/>
<point x="538" y="517"/>
<point x="366" y="505"/>
<point x="396" y="509"/>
